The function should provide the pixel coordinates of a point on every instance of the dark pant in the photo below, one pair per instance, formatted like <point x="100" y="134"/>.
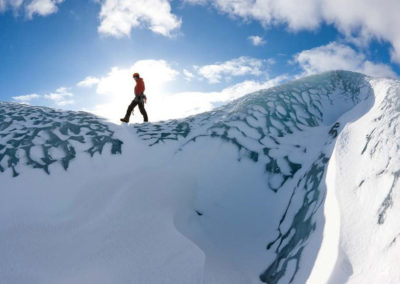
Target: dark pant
<point x="134" y="103"/>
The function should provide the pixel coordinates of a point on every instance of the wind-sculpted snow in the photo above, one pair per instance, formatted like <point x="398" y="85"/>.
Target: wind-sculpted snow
<point x="39" y="137"/>
<point x="366" y="171"/>
<point x="264" y="126"/>
<point x="384" y="139"/>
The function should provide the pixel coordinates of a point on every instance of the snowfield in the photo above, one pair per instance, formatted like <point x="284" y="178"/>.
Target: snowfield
<point x="294" y="184"/>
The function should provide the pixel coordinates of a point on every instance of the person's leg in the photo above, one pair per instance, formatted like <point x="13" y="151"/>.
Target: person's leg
<point x="130" y="109"/>
<point x="143" y="112"/>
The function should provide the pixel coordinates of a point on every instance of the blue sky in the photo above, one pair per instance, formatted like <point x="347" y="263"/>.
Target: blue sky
<point x="193" y="54"/>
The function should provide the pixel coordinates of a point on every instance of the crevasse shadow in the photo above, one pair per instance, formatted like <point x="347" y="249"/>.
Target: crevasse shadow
<point x="307" y="224"/>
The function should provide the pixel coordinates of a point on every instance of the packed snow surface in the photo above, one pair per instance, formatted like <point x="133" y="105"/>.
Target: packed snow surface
<point x="295" y="184"/>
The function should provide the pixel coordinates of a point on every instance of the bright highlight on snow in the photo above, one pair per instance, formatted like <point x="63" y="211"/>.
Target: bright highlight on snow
<point x="293" y="184"/>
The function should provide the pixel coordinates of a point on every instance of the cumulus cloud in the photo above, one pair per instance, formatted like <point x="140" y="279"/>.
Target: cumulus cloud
<point x="26" y="98"/>
<point x="240" y="89"/>
<point x="361" y="20"/>
<point x="256" y="40"/>
<point x="190" y="103"/>
<point x="297" y="14"/>
<point x="118" y="17"/>
<point x="89" y="81"/>
<point x="241" y="66"/>
<point x="188" y="75"/>
<point x="338" y="56"/>
<point x="32" y="7"/>
<point x="42" y="7"/>
<point x="61" y="97"/>
<point x="115" y="90"/>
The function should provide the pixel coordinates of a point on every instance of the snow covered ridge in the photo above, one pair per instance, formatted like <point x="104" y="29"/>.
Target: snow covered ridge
<point x="39" y="136"/>
<point x="263" y="125"/>
<point x="364" y="174"/>
<point x="294" y="184"/>
<point x="289" y="130"/>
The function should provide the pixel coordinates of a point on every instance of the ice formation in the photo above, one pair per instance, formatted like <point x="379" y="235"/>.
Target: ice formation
<point x="294" y="184"/>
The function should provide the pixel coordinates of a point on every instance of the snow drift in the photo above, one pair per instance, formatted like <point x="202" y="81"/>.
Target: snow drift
<point x="294" y="184"/>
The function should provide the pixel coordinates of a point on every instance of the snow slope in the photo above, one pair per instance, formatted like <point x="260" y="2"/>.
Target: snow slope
<point x="294" y="184"/>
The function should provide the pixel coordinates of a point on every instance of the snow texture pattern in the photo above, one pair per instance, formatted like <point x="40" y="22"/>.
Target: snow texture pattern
<point x="35" y="135"/>
<point x="261" y="126"/>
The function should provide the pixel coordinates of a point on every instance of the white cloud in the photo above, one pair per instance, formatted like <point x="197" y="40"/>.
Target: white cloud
<point x="297" y="14"/>
<point x="116" y="89"/>
<point x="88" y="82"/>
<point x="246" y="87"/>
<point x="42" y="7"/>
<point x="26" y="98"/>
<point x="188" y="75"/>
<point x="12" y="4"/>
<point x="118" y="17"/>
<point x="190" y="103"/>
<point x="61" y="97"/>
<point x="32" y="7"/>
<point x="241" y="66"/>
<point x="359" y="20"/>
<point x="257" y="40"/>
<point x="336" y="56"/>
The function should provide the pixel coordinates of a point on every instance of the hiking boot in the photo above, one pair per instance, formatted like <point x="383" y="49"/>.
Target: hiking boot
<point x="124" y="120"/>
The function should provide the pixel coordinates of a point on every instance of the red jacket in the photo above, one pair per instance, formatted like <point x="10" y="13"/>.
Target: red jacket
<point x="139" y="88"/>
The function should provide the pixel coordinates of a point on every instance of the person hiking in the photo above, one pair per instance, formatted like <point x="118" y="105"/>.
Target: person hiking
<point x="140" y="99"/>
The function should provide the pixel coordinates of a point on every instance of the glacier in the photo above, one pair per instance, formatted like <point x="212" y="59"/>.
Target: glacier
<point x="293" y="184"/>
